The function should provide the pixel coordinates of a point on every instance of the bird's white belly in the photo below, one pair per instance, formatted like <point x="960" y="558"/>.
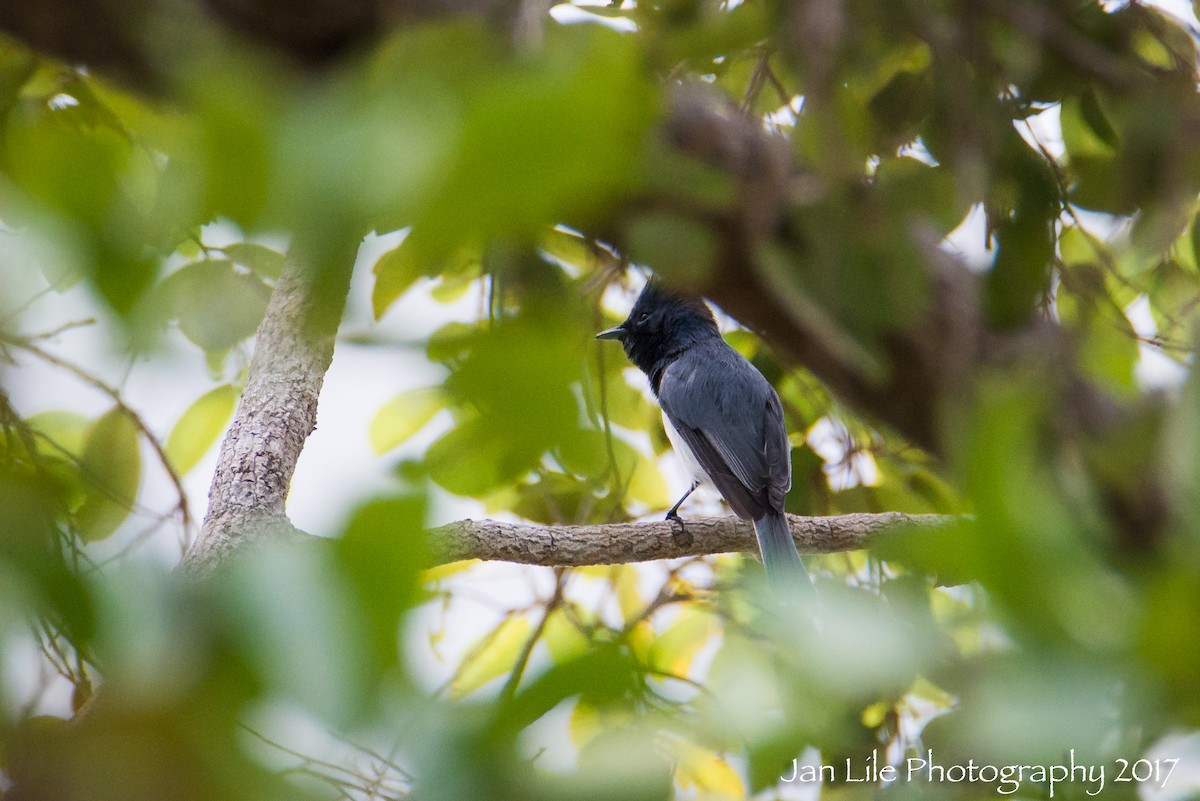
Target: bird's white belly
<point x="690" y="462"/>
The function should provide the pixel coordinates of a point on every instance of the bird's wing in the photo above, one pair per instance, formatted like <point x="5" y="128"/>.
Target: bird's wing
<point x="732" y="420"/>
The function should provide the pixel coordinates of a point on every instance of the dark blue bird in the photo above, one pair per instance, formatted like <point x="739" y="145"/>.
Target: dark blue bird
<point x="723" y="418"/>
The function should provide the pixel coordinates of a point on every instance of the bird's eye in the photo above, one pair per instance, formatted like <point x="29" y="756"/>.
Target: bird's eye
<point x="643" y="317"/>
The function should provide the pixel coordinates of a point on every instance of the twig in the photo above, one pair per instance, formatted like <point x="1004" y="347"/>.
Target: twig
<point x="514" y="678"/>
<point x="134" y="417"/>
<point x="61" y="329"/>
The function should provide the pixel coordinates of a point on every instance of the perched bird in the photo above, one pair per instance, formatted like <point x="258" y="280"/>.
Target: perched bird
<point x="722" y="417"/>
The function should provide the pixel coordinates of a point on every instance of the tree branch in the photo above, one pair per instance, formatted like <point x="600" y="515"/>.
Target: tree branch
<point x="904" y="383"/>
<point x="276" y="413"/>
<point x="620" y="543"/>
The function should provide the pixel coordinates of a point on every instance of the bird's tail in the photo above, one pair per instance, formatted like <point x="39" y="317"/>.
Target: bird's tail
<point x="779" y="554"/>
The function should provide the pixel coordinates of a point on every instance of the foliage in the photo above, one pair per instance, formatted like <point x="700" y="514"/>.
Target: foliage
<point x="1056" y="615"/>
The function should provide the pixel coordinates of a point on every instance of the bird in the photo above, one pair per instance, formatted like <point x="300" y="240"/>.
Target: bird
<point x="721" y="415"/>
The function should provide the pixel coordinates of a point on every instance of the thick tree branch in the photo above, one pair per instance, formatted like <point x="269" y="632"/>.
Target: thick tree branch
<point x="620" y="543"/>
<point x="277" y="412"/>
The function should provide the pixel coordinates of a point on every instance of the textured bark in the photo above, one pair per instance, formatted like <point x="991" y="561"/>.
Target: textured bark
<point x="619" y="543"/>
<point x="276" y="413"/>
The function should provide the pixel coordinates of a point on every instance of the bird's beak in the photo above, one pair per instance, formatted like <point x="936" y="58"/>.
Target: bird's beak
<point x="617" y="333"/>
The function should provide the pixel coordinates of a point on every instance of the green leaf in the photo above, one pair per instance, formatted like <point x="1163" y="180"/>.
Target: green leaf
<point x="403" y="416"/>
<point x="626" y="405"/>
<point x="1195" y="239"/>
<point x="586" y="454"/>
<point x="395" y="271"/>
<point x="701" y="771"/>
<point x="112" y="467"/>
<point x="216" y="306"/>
<point x="402" y="266"/>
<point x="382" y="553"/>
<point x="1078" y="246"/>
<point x="1087" y="133"/>
<point x="264" y="261"/>
<point x="451" y="286"/>
<point x="293" y="618"/>
<point x="673" y="650"/>
<point x="648" y="485"/>
<point x="1109" y="352"/>
<point x="898" y="108"/>
<point x="199" y="426"/>
<point x="566" y="247"/>
<point x="674" y="244"/>
<point x="76" y="165"/>
<point x="913" y="189"/>
<point x="67" y="430"/>
<point x="544" y="139"/>
<point x="1021" y="271"/>
<point x="493" y="655"/>
<point x="473" y="458"/>
<point x="563" y="638"/>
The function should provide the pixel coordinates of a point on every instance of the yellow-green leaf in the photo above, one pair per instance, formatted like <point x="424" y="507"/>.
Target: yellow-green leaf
<point x="624" y="579"/>
<point x="649" y="486"/>
<point x="493" y="655"/>
<point x="447" y="570"/>
<point x="566" y="247"/>
<point x="112" y="466"/>
<point x="673" y="650"/>
<point x="706" y="772"/>
<point x="414" y="258"/>
<point x="67" y="430"/>
<point x="563" y="638"/>
<point x="217" y="307"/>
<point x="395" y="272"/>
<point x="198" y="428"/>
<point x="403" y="416"/>
<point x="584" y="723"/>
<point x="265" y="261"/>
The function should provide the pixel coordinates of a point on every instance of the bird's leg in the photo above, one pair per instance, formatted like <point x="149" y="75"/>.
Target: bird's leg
<point x="674" y="513"/>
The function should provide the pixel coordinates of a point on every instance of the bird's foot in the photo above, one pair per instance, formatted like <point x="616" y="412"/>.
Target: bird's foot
<point x="679" y="533"/>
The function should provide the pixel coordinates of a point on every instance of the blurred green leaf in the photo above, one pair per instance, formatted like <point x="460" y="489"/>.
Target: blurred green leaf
<point x="146" y="635"/>
<point x="674" y="245"/>
<point x="112" y="467"/>
<point x="264" y="261"/>
<point x="395" y="271"/>
<point x="542" y="140"/>
<point x="473" y="458"/>
<point x="199" y="426"/>
<point x="492" y="655"/>
<point x="674" y="649"/>
<point x="567" y="247"/>
<point x="403" y="416"/>
<point x="563" y="638"/>
<point x="294" y="619"/>
<point x="383" y="552"/>
<point x="1168" y="636"/>
<point x="216" y="306"/>
<point x="67" y="430"/>
<point x="77" y="167"/>
<point x="28" y="539"/>
<point x="706" y="773"/>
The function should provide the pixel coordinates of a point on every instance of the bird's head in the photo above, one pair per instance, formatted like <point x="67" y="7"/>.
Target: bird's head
<point x="662" y="323"/>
